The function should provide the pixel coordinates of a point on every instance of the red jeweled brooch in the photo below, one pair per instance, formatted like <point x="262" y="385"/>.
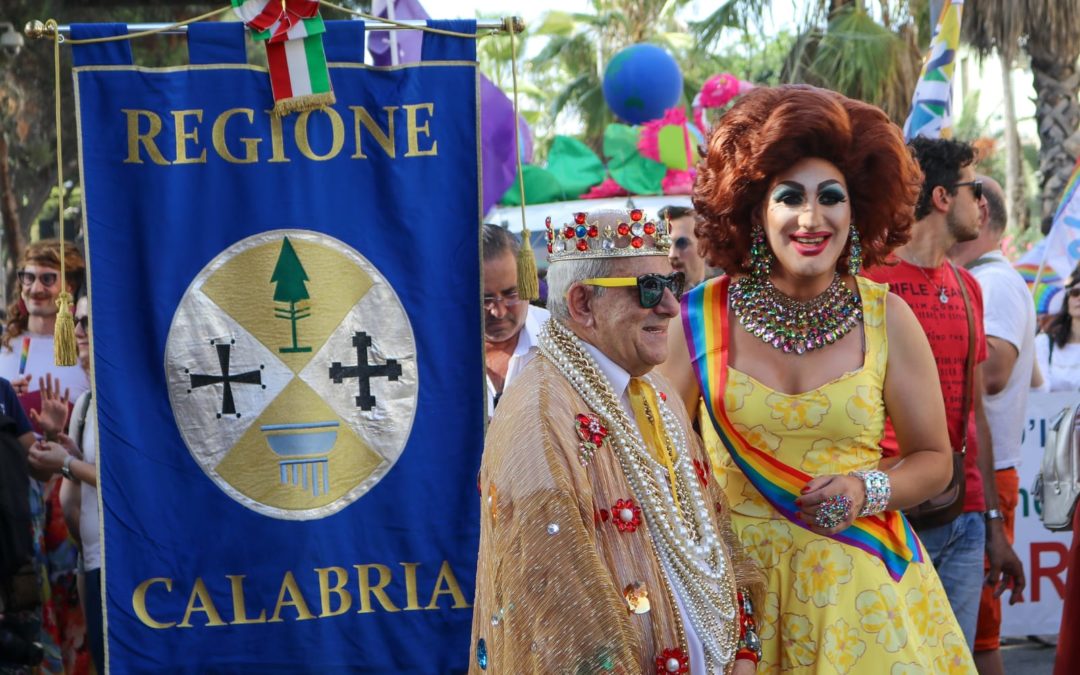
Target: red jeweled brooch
<point x="592" y="435"/>
<point x="626" y="515"/>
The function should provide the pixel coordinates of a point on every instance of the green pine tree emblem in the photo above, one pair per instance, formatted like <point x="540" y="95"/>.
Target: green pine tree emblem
<point x="290" y="277"/>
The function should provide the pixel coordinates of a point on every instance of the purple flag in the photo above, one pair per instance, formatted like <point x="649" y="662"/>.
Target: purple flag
<point x="408" y="41"/>
<point x="496" y="109"/>
<point x="497" y="142"/>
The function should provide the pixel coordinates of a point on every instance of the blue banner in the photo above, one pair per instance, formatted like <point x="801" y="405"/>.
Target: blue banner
<point x="286" y="359"/>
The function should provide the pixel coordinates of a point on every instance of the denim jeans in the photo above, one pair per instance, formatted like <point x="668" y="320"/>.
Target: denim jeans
<point x="957" y="550"/>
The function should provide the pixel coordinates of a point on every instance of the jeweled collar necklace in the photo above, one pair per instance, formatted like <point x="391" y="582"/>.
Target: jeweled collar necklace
<point x="790" y="325"/>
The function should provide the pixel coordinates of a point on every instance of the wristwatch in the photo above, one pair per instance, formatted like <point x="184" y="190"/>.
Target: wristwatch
<point x="66" y="469"/>
<point x="993" y="514"/>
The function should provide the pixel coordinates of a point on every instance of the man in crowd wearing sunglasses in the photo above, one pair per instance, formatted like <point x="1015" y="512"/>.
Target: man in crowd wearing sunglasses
<point x="604" y="545"/>
<point x="511" y="325"/>
<point x="947" y="213"/>
<point x="26" y="350"/>
<point x="684" y="256"/>
<point x="1009" y="315"/>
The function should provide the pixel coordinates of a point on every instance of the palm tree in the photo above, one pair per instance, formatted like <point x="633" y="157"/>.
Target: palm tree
<point x="1049" y="32"/>
<point x="872" y="53"/>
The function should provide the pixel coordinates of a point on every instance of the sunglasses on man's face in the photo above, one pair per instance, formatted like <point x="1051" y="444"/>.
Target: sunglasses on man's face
<point x="83" y="321"/>
<point x="976" y="187"/>
<point x="47" y="279"/>
<point x="650" y="286"/>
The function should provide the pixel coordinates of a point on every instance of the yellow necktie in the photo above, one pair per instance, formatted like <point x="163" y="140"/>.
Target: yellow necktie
<point x="647" y="415"/>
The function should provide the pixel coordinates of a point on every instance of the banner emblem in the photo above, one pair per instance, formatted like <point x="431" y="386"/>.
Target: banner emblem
<point x="292" y="375"/>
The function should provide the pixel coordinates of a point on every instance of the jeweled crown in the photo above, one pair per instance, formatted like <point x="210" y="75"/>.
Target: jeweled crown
<point x="610" y="233"/>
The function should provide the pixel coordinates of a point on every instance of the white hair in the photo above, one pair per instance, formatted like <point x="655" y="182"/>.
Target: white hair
<point x="563" y="274"/>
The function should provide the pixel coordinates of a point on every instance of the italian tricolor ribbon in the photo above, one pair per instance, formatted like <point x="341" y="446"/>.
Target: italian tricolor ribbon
<point x="292" y="31"/>
<point x="887" y="536"/>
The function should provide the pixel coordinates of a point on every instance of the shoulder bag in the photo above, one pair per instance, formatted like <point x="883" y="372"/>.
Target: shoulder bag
<point x="947" y="506"/>
<point x="1057" y="486"/>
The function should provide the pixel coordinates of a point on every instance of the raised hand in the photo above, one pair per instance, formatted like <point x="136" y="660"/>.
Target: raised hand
<point x="54" y="408"/>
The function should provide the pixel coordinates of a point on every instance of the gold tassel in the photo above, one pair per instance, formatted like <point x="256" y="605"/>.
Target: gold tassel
<point x="528" y="282"/>
<point x="65" y="352"/>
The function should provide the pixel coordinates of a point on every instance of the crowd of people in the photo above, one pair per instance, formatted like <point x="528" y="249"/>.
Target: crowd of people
<point x="775" y="431"/>
<point x="851" y="345"/>
<point x="50" y="595"/>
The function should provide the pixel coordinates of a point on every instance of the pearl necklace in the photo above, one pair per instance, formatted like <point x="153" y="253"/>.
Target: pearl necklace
<point x="687" y="544"/>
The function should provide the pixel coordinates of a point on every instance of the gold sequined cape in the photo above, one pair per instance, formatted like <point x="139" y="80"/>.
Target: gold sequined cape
<point x="553" y="566"/>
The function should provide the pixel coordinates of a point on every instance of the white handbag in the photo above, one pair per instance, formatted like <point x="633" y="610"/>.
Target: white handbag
<point x="1057" y="486"/>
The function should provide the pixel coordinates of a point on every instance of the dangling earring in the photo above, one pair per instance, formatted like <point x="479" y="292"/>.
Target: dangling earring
<point x="854" y="252"/>
<point x="761" y="257"/>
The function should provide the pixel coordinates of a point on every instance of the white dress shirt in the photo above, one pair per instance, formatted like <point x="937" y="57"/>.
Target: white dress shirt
<point x="527" y="345"/>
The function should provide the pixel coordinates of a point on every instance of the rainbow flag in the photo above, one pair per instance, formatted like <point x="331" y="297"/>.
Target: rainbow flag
<point x="931" y="104"/>
<point x="1069" y="194"/>
<point x="1058" y="254"/>
<point x="887" y="536"/>
<point x="1050" y="283"/>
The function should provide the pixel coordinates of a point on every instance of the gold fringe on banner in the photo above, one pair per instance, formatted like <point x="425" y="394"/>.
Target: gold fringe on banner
<point x="304" y="103"/>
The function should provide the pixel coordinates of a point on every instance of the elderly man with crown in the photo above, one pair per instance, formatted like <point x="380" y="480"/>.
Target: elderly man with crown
<point x="605" y="544"/>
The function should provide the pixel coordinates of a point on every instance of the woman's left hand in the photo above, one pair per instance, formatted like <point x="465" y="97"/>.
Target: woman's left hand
<point x="823" y="501"/>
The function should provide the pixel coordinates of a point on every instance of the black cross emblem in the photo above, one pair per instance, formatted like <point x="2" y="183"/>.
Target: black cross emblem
<point x="363" y="371"/>
<point x="227" y="379"/>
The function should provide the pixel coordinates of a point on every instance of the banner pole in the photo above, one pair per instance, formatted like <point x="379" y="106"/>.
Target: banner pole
<point x="37" y="29"/>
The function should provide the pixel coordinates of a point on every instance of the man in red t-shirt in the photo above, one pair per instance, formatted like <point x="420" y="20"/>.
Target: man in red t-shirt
<point x="947" y="213"/>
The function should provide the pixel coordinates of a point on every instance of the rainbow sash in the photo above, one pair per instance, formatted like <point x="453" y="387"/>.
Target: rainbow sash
<point x="887" y="536"/>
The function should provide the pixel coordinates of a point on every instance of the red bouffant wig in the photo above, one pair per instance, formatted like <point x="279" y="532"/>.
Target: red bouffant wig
<point x="770" y="129"/>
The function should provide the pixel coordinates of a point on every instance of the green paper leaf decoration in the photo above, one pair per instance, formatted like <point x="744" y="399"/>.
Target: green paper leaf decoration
<point x="541" y="186"/>
<point x="636" y="174"/>
<point x="574" y="165"/>
<point x="620" y="143"/>
<point x="640" y="176"/>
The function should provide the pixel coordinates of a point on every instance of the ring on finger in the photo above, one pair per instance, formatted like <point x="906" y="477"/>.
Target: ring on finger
<point x="833" y="511"/>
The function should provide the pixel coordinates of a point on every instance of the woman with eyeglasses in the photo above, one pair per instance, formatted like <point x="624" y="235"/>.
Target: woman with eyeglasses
<point x="1057" y="349"/>
<point x="796" y="361"/>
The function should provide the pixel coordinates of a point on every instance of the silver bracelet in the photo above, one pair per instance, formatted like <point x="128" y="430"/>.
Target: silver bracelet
<point x="878" y="491"/>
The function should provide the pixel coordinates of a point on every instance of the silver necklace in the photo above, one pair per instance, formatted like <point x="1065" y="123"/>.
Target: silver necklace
<point x="943" y="297"/>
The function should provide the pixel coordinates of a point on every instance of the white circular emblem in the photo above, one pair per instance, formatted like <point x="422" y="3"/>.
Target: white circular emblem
<point x="291" y="368"/>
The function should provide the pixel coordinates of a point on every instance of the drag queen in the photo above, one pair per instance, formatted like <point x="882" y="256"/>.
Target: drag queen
<point x="795" y="361"/>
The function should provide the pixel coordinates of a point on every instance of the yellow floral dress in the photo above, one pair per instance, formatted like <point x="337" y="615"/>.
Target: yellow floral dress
<point x="830" y="607"/>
